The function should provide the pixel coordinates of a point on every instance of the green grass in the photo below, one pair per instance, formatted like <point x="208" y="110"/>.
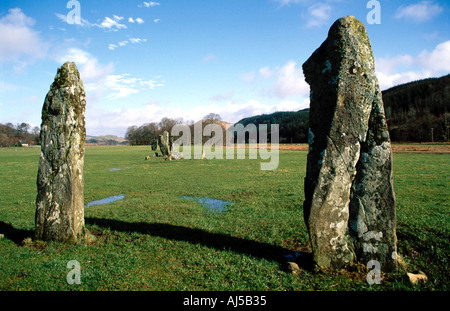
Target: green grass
<point x="155" y="240"/>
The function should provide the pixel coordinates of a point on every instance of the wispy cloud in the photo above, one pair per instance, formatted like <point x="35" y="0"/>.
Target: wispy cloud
<point x="406" y="68"/>
<point x="109" y="23"/>
<point x="19" y="41"/>
<point x="123" y="43"/>
<point x="287" y="81"/>
<point x="124" y="85"/>
<point x="150" y="4"/>
<point x="265" y="72"/>
<point x="112" y="23"/>
<point x="117" y="121"/>
<point x="84" y="22"/>
<point x="135" y="20"/>
<point x="419" y="12"/>
<point x="100" y="81"/>
<point x="90" y="68"/>
<point x="318" y="15"/>
<point x="290" y="81"/>
<point x="288" y="2"/>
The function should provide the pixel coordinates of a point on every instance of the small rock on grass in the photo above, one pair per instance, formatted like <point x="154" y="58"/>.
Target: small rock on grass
<point x="417" y="278"/>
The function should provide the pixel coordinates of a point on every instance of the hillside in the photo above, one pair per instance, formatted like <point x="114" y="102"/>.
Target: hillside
<point x="293" y="125"/>
<point x="105" y="140"/>
<point x="412" y="111"/>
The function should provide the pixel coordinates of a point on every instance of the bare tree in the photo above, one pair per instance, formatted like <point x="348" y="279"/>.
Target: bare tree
<point x="212" y="117"/>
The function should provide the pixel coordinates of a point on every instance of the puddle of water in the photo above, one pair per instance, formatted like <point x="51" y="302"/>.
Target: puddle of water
<point x="210" y="204"/>
<point x="107" y="200"/>
<point x="292" y="256"/>
<point x="115" y="169"/>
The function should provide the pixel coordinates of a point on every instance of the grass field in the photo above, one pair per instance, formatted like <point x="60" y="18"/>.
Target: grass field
<point x="156" y="240"/>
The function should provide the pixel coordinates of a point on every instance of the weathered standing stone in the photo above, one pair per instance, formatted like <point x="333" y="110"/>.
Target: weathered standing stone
<point x="349" y="203"/>
<point x="154" y="144"/>
<point x="60" y="181"/>
<point x="164" y="143"/>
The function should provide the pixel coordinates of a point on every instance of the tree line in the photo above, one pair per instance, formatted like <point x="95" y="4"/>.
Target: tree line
<point x="144" y="134"/>
<point x="11" y="135"/>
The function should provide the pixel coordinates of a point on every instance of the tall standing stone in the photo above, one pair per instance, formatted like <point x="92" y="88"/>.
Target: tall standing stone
<point x="165" y="144"/>
<point x="60" y="181"/>
<point x="349" y="203"/>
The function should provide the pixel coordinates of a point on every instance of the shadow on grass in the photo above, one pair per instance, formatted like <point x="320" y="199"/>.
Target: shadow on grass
<point x="13" y="234"/>
<point x="217" y="241"/>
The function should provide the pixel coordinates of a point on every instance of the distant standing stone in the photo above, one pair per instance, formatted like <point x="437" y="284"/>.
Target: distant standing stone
<point x="349" y="203"/>
<point x="164" y="143"/>
<point x="154" y="144"/>
<point x="60" y="181"/>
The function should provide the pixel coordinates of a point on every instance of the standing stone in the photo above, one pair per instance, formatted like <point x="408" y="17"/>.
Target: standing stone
<point x="164" y="143"/>
<point x="349" y="206"/>
<point x="154" y="144"/>
<point x="60" y="181"/>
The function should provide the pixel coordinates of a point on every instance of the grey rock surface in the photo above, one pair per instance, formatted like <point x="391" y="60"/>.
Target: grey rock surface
<point x="349" y="203"/>
<point x="60" y="180"/>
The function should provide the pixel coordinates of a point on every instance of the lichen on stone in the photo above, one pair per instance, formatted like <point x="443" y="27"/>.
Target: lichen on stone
<point x="60" y="199"/>
<point x="349" y="167"/>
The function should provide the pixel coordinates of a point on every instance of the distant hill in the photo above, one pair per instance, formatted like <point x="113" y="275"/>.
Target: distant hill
<point x="293" y="125"/>
<point x="412" y="110"/>
<point x="105" y="140"/>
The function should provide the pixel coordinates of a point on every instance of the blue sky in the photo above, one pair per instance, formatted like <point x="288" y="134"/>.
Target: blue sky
<point x="141" y="61"/>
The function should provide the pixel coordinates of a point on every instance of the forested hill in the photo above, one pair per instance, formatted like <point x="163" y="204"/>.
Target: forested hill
<point x="293" y="125"/>
<point x="412" y="111"/>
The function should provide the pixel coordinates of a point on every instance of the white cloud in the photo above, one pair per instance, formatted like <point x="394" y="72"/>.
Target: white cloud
<point x="112" y="23"/>
<point x="84" y="22"/>
<point x="137" y="40"/>
<point x="437" y="60"/>
<point x="19" y="42"/>
<point x="318" y="14"/>
<point x="150" y="4"/>
<point x="88" y="65"/>
<point x="117" y="121"/>
<point x="123" y="85"/>
<point x="419" y="12"/>
<point x="135" y="20"/>
<point x="286" y="82"/>
<point x="265" y="72"/>
<point x="157" y="20"/>
<point x="78" y="56"/>
<point x="123" y="43"/>
<point x="288" y="2"/>
<point x="291" y="105"/>
<point x="290" y="81"/>
<point x="406" y="68"/>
